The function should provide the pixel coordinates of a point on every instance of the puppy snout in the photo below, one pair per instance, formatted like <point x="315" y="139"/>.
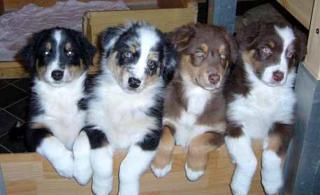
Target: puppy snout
<point x="278" y="76"/>
<point x="57" y="75"/>
<point x="134" y="82"/>
<point x="214" y="78"/>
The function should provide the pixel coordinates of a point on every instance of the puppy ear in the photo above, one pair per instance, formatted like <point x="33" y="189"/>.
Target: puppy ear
<point x="246" y="36"/>
<point x="182" y="36"/>
<point x="300" y="44"/>
<point x="87" y="50"/>
<point x="232" y="46"/>
<point x="28" y="54"/>
<point x="109" y="37"/>
<point x="169" y="63"/>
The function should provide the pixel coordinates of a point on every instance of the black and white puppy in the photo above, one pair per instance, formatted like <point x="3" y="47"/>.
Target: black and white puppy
<point x="261" y="102"/>
<point x="58" y="60"/>
<point x="125" y="110"/>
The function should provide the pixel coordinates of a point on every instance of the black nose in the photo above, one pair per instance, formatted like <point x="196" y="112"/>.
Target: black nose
<point x="133" y="82"/>
<point x="57" y="75"/>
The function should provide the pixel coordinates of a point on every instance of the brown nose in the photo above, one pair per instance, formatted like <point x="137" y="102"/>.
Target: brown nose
<point x="214" y="78"/>
<point x="278" y="76"/>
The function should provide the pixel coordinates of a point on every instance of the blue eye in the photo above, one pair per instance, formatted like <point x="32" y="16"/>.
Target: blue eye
<point x="127" y="54"/>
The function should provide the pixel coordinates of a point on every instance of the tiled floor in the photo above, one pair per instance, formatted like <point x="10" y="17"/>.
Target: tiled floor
<point x="14" y="95"/>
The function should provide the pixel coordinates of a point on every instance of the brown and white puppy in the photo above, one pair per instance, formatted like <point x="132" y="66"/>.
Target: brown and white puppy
<point x="194" y="109"/>
<point x="260" y="102"/>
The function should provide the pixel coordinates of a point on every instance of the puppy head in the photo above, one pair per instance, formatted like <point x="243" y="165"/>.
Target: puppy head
<point x="138" y="55"/>
<point x="205" y="52"/>
<point x="271" y="50"/>
<point x="57" y="55"/>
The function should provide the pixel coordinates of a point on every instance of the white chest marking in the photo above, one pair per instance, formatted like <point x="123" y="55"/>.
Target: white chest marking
<point x="60" y="104"/>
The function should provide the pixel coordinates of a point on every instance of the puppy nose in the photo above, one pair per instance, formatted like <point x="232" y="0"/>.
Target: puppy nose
<point x="214" y="78"/>
<point x="277" y="76"/>
<point x="57" y="75"/>
<point x="133" y="82"/>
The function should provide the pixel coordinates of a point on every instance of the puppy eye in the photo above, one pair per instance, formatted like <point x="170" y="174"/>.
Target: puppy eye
<point x="266" y="50"/>
<point x="47" y="52"/>
<point x="69" y="53"/>
<point x="127" y="54"/>
<point x="152" y="65"/>
<point x="222" y="56"/>
<point x="290" y="54"/>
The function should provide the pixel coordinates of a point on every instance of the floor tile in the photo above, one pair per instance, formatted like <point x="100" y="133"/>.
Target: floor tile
<point x="10" y="95"/>
<point x="6" y="122"/>
<point x="3" y="83"/>
<point x="23" y="84"/>
<point x="15" y="146"/>
<point x="3" y="149"/>
<point x="19" y="109"/>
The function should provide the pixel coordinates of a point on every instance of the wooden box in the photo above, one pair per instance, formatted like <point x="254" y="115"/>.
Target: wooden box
<point x="30" y="174"/>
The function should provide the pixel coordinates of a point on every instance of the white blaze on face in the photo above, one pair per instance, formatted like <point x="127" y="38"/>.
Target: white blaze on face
<point x="148" y="39"/>
<point x="287" y="36"/>
<point x="54" y="65"/>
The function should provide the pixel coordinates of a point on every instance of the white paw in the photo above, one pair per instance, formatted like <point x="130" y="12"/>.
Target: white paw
<point x="239" y="189"/>
<point x="161" y="172"/>
<point x="272" y="187"/>
<point x="82" y="174"/>
<point x="101" y="187"/>
<point x="64" y="166"/>
<point x="193" y="175"/>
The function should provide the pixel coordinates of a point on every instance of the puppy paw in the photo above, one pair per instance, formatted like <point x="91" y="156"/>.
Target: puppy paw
<point x="101" y="188"/>
<point x="64" y="166"/>
<point x="82" y="175"/>
<point x="238" y="188"/>
<point x="272" y="187"/>
<point x="193" y="175"/>
<point x="161" y="172"/>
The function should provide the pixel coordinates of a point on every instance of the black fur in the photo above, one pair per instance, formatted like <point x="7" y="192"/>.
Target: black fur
<point x="34" y="137"/>
<point x="96" y="137"/>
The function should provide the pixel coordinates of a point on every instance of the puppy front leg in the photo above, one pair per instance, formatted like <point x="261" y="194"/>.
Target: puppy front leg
<point x="275" y="148"/>
<point x="42" y="141"/>
<point x="137" y="161"/>
<point x="162" y="163"/>
<point x="198" y="153"/>
<point x="239" y="147"/>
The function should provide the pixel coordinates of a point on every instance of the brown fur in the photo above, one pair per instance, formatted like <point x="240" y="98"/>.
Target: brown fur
<point x="279" y="138"/>
<point x="165" y="148"/>
<point x="199" y="148"/>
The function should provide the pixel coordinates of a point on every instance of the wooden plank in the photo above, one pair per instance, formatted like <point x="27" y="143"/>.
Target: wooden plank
<point x="300" y="9"/>
<point x="216" y="180"/>
<point x="312" y="61"/>
<point x="9" y="70"/>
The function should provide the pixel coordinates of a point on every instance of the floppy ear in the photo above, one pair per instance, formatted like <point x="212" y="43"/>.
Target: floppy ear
<point x="232" y="46"/>
<point x="87" y="50"/>
<point x="109" y="37"/>
<point x="246" y="36"/>
<point x="28" y="54"/>
<point x="181" y="37"/>
<point x="169" y="63"/>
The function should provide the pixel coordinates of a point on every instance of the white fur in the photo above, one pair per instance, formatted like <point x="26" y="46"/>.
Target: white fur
<point x="60" y="158"/>
<point x="287" y="36"/>
<point x="132" y="167"/>
<point x="186" y="127"/>
<point x="148" y="39"/>
<point x="82" y="171"/>
<point x="242" y="154"/>
<point x="193" y="175"/>
<point x="62" y="115"/>
<point x="263" y="106"/>
<point x="271" y="172"/>
<point x="161" y="172"/>
<point x="102" y="165"/>
<point x="121" y="115"/>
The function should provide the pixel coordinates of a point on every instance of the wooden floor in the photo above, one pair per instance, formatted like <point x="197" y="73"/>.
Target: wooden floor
<point x="29" y="174"/>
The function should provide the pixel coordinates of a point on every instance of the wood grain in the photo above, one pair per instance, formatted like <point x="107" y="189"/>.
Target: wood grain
<point x="30" y="174"/>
